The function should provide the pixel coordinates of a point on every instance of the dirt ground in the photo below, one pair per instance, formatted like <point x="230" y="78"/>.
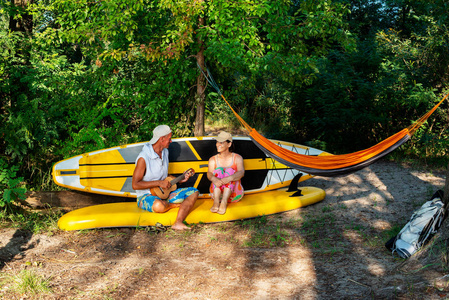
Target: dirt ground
<point x="330" y="250"/>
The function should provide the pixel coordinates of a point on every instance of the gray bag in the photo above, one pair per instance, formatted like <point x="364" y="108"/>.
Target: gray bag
<point x="423" y="224"/>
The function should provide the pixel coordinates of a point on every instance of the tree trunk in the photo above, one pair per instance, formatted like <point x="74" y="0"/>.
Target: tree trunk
<point x="446" y="188"/>
<point x="200" y="89"/>
<point x="23" y="23"/>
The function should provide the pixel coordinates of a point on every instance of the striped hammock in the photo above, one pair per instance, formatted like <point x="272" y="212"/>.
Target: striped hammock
<point x="333" y="165"/>
<point x="329" y="165"/>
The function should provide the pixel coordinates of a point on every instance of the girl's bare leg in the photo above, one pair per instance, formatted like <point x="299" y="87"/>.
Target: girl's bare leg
<point x="224" y="201"/>
<point x="217" y="195"/>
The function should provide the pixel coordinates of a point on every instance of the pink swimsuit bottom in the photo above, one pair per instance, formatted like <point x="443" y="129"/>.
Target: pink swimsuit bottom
<point x="235" y="186"/>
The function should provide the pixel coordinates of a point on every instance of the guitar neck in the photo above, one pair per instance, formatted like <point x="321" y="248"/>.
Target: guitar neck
<point x="177" y="179"/>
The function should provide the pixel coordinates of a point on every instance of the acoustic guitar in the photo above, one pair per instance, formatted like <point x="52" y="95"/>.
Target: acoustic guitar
<point x="164" y="193"/>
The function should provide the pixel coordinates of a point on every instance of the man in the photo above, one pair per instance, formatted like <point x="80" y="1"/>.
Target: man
<point x="151" y="171"/>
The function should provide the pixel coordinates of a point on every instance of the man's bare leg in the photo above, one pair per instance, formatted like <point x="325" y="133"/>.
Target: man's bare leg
<point x="184" y="209"/>
<point x="161" y="206"/>
<point x="224" y="201"/>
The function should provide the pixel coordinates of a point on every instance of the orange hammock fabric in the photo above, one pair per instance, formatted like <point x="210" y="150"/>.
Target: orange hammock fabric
<point x="333" y="165"/>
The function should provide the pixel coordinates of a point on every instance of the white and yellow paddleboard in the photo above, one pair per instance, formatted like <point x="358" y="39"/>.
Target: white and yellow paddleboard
<point x="127" y="214"/>
<point x="109" y="171"/>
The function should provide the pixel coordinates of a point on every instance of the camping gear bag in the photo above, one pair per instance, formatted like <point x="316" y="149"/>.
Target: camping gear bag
<point x="423" y="224"/>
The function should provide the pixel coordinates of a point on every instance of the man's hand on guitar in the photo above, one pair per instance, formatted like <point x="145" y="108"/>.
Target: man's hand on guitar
<point x="169" y="184"/>
<point x="165" y="184"/>
<point x="187" y="174"/>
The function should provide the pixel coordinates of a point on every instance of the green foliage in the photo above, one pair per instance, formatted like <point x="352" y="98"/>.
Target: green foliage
<point x="63" y="105"/>
<point x="361" y="96"/>
<point x="353" y="97"/>
<point x="340" y="75"/>
<point x="11" y="188"/>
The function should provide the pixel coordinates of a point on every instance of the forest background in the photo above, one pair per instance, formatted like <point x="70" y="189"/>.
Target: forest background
<point x="77" y="76"/>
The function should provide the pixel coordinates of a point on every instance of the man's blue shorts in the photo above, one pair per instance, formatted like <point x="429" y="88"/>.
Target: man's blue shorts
<point x="177" y="196"/>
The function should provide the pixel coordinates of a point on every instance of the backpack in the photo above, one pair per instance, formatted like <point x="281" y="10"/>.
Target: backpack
<point x="423" y="224"/>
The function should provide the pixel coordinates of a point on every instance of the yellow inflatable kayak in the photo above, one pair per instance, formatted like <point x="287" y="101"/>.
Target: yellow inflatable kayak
<point x="127" y="214"/>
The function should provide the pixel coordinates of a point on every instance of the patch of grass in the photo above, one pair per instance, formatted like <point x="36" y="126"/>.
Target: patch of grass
<point x="394" y="230"/>
<point x="369" y="236"/>
<point x="28" y="282"/>
<point x="411" y="159"/>
<point x="212" y="238"/>
<point x="314" y="225"/>
<point x="293" y="223"/>
<point x="437" y="250"/>
<point x="115" y="235"/>
<point x="254" y="223"/>
<point x="270" y="236"/>
<point x="262" y="234"/>
<point x="315" y="244"/>
<point x="85" y="231"/>
<point x="327" y="209"/>
<point x="326" y="246"/>
<point x="342" y="206"/>
<point x="332" y="250"/>
<point x="355" y="227"/>
<point x="185" y="234"/>
<point x="34" y="221"/>
<point x="372" y="241"/>
<point x="280" y="237"/>
<point x="224" y="227"/>
<point x="232" y="239"/>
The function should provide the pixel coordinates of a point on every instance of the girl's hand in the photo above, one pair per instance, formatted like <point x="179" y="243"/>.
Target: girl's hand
<point x="217" y="181"/>
<point x="226" y="180"/>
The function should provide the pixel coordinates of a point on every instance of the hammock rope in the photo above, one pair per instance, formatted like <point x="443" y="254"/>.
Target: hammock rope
<point x="327" y="165"/>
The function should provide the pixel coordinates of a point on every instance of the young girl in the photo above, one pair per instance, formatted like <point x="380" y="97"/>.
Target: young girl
<point x="225" y="171"/>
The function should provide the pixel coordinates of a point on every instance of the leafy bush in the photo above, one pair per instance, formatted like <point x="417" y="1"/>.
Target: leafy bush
<point x="10" y="186"/>
<point x="339" y="82"/>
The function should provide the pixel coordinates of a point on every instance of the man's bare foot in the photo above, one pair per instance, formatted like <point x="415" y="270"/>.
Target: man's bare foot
<point x="180" y="227"/>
